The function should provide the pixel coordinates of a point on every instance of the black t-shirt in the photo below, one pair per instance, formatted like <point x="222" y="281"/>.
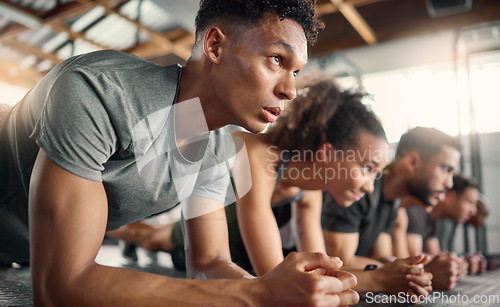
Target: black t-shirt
<point x="369" y="216"/>
<point x="420" y="223"/>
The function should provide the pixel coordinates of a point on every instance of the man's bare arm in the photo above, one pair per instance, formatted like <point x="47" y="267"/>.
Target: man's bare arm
<point x="382" y="249"/>
<point x="415" y="244"/>
<point x="432" y="247"/>
<point x="206" y="241"/>
<point x="68" y="217"/>
<point x="398" y="235"/>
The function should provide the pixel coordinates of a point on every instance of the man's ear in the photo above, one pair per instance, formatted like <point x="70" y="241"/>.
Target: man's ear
<point x="214" y="37"/>
<point x="413" y="161"/>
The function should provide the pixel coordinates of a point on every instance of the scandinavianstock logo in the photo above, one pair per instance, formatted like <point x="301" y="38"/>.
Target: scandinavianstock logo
<point x="173" y="147"/>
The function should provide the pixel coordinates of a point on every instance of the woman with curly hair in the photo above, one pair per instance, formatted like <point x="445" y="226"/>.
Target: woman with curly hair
<point x="326" y="140"/>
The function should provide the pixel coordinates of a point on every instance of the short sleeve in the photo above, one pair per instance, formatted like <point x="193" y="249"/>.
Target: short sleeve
<point x="393" y="216"/>
<point x="416" y="220"/>
<point x="340" y="219"/>
<point x="74" y="128"/>
<point x="214" y="176"/>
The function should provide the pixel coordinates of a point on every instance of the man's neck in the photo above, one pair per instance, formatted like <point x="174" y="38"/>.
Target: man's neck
<point x="194" y="83"/>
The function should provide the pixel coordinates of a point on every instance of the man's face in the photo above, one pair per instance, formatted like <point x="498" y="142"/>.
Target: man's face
<point x="435" y="177"/>
<point x="465" y="205"/>
<point x="356" y="167"/>
<point x="257" y="71"/>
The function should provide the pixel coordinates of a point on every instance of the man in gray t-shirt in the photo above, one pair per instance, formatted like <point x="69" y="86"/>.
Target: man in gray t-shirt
<point x="107" y="138"/>
<point x="133" y="152"/>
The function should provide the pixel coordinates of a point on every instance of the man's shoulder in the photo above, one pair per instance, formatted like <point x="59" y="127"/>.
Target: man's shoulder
<point x="109" y="58"/>
<point x="418" y="219"/>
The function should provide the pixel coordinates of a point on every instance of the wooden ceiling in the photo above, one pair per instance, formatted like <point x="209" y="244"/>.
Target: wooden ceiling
<point x="349" y="23"/>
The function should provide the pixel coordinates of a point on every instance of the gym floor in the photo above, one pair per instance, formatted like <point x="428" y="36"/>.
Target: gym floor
<point x="15" y="282"/>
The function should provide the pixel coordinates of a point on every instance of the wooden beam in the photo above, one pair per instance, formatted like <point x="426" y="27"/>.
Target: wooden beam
<point x="58" y="26"/>
<point x="356" y="20"/>
<point x="149" y="50"/>
<point x="71" y="12"/>
<point x="155" y="36"/>
<point x="29" y="49"/>
<point x="325" y="8"/>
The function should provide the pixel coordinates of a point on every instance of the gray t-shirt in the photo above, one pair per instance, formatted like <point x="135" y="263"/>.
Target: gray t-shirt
<point x="106" y="116"/>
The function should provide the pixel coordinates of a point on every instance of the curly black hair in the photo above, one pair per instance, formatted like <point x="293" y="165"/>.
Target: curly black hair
<point x="427" y="141"/>
<point x="321" y="113"/>
<point x="250" y="13"/>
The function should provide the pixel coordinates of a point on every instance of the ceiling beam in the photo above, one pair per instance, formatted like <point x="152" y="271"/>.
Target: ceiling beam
<point x="356" y="20"/>
<point x="20" y="16"/>
<point x="155" y="36"/>
<point x="325" y="8"/>
<point x="29" y="49"/>
<point x="59" y="26"/>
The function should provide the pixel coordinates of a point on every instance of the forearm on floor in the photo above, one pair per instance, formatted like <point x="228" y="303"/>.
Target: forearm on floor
<point x="99" y="285"/>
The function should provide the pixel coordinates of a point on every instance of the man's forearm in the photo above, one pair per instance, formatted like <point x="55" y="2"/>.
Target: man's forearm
<point x="101" y="285"/>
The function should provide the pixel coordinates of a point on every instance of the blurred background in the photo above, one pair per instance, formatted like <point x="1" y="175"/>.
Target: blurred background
<point x="433" y="63"/>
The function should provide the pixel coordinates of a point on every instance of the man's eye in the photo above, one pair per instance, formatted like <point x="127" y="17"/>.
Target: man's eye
<point x="295" y="74"/>
<point x="276" y="59"/>
<point x="367" y="168"/>
<point x="448" y="169"/>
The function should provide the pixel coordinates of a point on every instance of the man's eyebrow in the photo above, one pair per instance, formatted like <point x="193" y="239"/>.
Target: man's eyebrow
<point x="287" y="46"/>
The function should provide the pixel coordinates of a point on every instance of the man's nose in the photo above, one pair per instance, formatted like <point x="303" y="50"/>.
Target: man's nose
<point x="449" y="182"/>
<point x="286" y="88"/>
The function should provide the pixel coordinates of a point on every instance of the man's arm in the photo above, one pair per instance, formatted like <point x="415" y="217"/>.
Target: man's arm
<point x="68" y="216"/>
<point x="382" y="249"/>
<point x="415" y="244"/>
<point x="432" y="247"/>
<point x="308" y="223"/>
<point x="207" y="242"/>
<point x="398" y="235"/>
<point x="344" y="246"/>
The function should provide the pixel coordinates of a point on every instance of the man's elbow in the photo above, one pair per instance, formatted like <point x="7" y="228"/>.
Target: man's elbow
<point x="54" y="287"/>
<point x="48" y="292"/>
